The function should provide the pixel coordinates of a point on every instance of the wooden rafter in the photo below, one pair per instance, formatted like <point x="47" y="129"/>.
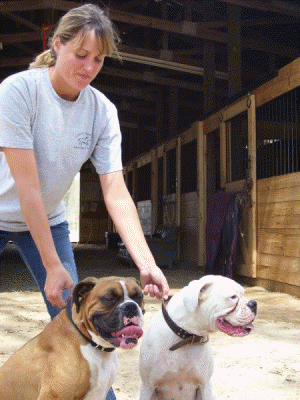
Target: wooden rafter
<point x="21" y="21"/>
<point x="279" y="7"/>
<point x="186" y="28"/>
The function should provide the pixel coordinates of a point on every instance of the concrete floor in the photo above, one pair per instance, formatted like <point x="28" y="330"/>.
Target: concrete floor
<point x="91" y="260"/>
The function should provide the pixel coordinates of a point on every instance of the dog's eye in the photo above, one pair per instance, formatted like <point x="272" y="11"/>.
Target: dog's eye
<point x="234" y="297"/>
<point x="137" y="297"/>
<point x="108" y="300"/>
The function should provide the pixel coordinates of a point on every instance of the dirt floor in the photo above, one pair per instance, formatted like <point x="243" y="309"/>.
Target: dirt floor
<point x="264" y="365"/>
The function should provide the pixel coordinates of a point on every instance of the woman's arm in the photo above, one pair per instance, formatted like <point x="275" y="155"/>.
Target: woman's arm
<point x="23" y="168"/>
<point x="125" y="217"/>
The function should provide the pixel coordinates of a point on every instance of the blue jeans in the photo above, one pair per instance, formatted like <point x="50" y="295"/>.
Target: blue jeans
<point x="30" y="255"/>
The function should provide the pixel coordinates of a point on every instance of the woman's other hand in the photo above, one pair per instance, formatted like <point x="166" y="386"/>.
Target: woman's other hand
<point x="154" y="282"/>
<point x="57" y="281"/>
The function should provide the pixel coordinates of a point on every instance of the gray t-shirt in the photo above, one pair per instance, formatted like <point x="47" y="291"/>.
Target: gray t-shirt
<point x="64" y="134"/>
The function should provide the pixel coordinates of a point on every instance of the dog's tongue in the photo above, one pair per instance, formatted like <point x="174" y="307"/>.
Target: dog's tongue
<point x="232" y="330"/>
<point x="128" y="336"/>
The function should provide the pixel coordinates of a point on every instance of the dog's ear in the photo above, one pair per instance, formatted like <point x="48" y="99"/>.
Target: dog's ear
<point x="204" y="289"/>
<point x="190" y="295"/>
<point x="193" y="293"/>
<point x="81" y="289"/>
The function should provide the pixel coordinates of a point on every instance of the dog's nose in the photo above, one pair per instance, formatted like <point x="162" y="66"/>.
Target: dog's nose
<point x="130" y="309"/>
<point x="252" y="304"/>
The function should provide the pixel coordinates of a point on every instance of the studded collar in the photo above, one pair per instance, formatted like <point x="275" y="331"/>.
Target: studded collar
<point x="187" y="338"/>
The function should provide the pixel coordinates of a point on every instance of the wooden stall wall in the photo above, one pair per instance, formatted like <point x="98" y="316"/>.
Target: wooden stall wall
<point x="278" y="201"/>
<point x="278" y="238"/>
<point x="271" y="225"/>
<point x="189" y="228"/>
<point x="191" y="238"/>
<point x="220" y="126"/>
<point x="93" y="213"/>
<point x="176" y="192"/>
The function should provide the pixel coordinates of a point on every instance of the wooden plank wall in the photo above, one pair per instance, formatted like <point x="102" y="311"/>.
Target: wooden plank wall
<point x="278" y="227"/>
<point x="288" y="78"/>
<point x="278" y="207"/>
<point x="178" y="209"/>
<point x="275" y="220"/>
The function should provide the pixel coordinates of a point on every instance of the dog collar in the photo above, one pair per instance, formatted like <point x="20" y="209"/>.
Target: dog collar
<point x="187" y="338"/>
<point x="98" y="346"/>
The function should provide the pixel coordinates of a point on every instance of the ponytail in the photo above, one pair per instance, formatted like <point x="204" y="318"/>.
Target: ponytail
<point x="44" y="60"/>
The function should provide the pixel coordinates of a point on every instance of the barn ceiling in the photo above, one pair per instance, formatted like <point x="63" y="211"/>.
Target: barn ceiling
<point x="180" y="58"/>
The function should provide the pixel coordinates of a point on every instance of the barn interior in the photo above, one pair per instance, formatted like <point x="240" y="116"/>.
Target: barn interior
<point x="181" y="62"/>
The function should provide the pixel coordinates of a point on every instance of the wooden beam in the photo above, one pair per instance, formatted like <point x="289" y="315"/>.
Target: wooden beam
<point x="173" y="112"/>
<point x="234" y="51"/>
<point x="154" y="188"/>
<point x="22" y="21"/>
<point x="132" y="107"/>
<point x="223" y="159"/>
<point x="261" y="44"/>
<point x="279" y="7"/>
<point x="148" y="76"/>
<point x="137" y="93"/>
<point x="133" y="3"/>
<point x="197" y="30"/>
<point x="133" y="125"/>
<point x="24" y="5"/>
<point x="287" y="79"/>
<point x="167" y="59"/>
<point x="252" y="242"/>
<point x="178" y="191"/>
<point x="178" y="183"/>
<point x="15" y="62"/>
<point x="186" y="28"/>
<point x="201" y="191"/>
<point x="134" y="182"/>
<point x="21" y="37"/>
<point x="209" y="76"/>
<point x="26" y="49"/>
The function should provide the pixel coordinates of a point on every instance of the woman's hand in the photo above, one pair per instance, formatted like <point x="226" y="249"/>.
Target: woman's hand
<point x="58" y="279"/>
<point x="154" y="282"/>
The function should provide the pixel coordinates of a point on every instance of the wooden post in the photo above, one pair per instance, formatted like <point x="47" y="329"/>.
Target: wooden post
<point x="134" y="182"/>
<point x="164" y="182"/>
<point x="201" y="191"/>
<point x="173" y="112"/>
<point x="252" y="157"/>
<point x="178" y="190"/>
<point x="154" y="189"/>
<point x="234" y="50"/>
<point x="209" y="76"/>
<point x="223" y="166"/>
<point x="178" y="181"/>
<point x="159" y="106"/>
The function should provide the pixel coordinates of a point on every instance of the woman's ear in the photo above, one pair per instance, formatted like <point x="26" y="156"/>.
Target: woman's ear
<point x="56" y="44"/>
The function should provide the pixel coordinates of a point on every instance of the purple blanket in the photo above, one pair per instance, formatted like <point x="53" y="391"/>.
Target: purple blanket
<point x="216" y="213"/>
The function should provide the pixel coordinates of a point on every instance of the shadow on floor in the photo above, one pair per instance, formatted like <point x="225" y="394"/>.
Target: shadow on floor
<point x="91" y="260"/>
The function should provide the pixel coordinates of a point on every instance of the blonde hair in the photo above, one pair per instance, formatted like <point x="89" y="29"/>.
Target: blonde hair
<point x="81" y="20"/>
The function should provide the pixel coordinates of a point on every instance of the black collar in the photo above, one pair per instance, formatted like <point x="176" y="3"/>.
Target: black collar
<point x="187" y="338"/>
<point x="98" y="346"/>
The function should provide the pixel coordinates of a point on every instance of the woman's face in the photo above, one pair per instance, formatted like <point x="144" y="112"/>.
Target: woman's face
<point x="77" y="64"/>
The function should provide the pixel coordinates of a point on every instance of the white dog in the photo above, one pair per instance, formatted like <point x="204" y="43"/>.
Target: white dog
<point x="176" y="359"/>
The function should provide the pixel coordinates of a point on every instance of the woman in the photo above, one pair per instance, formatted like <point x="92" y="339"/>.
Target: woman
<point x="51" y="122"/>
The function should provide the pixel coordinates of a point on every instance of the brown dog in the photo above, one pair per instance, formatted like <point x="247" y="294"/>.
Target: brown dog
<point x="74" y="357"/>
